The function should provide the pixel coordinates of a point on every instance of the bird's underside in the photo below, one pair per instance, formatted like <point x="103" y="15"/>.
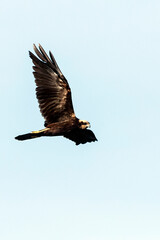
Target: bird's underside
<point x="54" y="97"/>
<point x="66" y="130"/>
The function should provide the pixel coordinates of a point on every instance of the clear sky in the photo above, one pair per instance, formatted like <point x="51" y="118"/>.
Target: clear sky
<point x="109" y="50"/>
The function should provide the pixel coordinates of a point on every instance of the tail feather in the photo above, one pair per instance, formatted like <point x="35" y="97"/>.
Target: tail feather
<point x="29" y="136"/>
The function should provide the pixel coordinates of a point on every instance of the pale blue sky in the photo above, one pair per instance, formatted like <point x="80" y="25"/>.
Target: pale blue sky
<point x="109" y="190"/>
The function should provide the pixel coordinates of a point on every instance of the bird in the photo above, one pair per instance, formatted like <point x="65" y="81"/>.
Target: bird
<point x="55" y="102"/>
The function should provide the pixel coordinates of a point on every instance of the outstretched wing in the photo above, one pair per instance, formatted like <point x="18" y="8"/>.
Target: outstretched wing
<point x="53" y="91"/>
<point x="81" y="136"/>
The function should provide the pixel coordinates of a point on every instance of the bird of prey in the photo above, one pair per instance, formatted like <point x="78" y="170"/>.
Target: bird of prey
<point x="55" y="102"/>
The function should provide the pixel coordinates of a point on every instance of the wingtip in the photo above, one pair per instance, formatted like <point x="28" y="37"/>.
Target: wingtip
<point x="40" y="47"/>
<point x="30" y="53"/>
<point x="34" y="46"/>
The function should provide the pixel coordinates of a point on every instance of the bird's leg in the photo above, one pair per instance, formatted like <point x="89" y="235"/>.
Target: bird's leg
<point x="39" y="131"/>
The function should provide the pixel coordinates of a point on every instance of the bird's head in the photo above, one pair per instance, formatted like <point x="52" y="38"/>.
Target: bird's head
<point x="83" y="124"/>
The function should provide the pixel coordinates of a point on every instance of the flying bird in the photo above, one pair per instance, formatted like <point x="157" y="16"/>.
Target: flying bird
<point x="55" y="102"/>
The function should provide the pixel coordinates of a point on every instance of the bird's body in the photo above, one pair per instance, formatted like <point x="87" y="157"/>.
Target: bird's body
<point x="54" y="97"/>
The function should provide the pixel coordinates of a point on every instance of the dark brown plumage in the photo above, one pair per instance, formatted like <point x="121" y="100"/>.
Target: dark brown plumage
<point x="55" y="102"/>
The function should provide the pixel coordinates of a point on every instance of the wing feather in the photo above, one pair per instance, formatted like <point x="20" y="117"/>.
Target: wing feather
<point x="52" y="91"/>
<point x="81" y="136"/>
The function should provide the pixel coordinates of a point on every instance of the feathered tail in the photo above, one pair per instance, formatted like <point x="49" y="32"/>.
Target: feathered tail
<point x="31" y="135"/>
